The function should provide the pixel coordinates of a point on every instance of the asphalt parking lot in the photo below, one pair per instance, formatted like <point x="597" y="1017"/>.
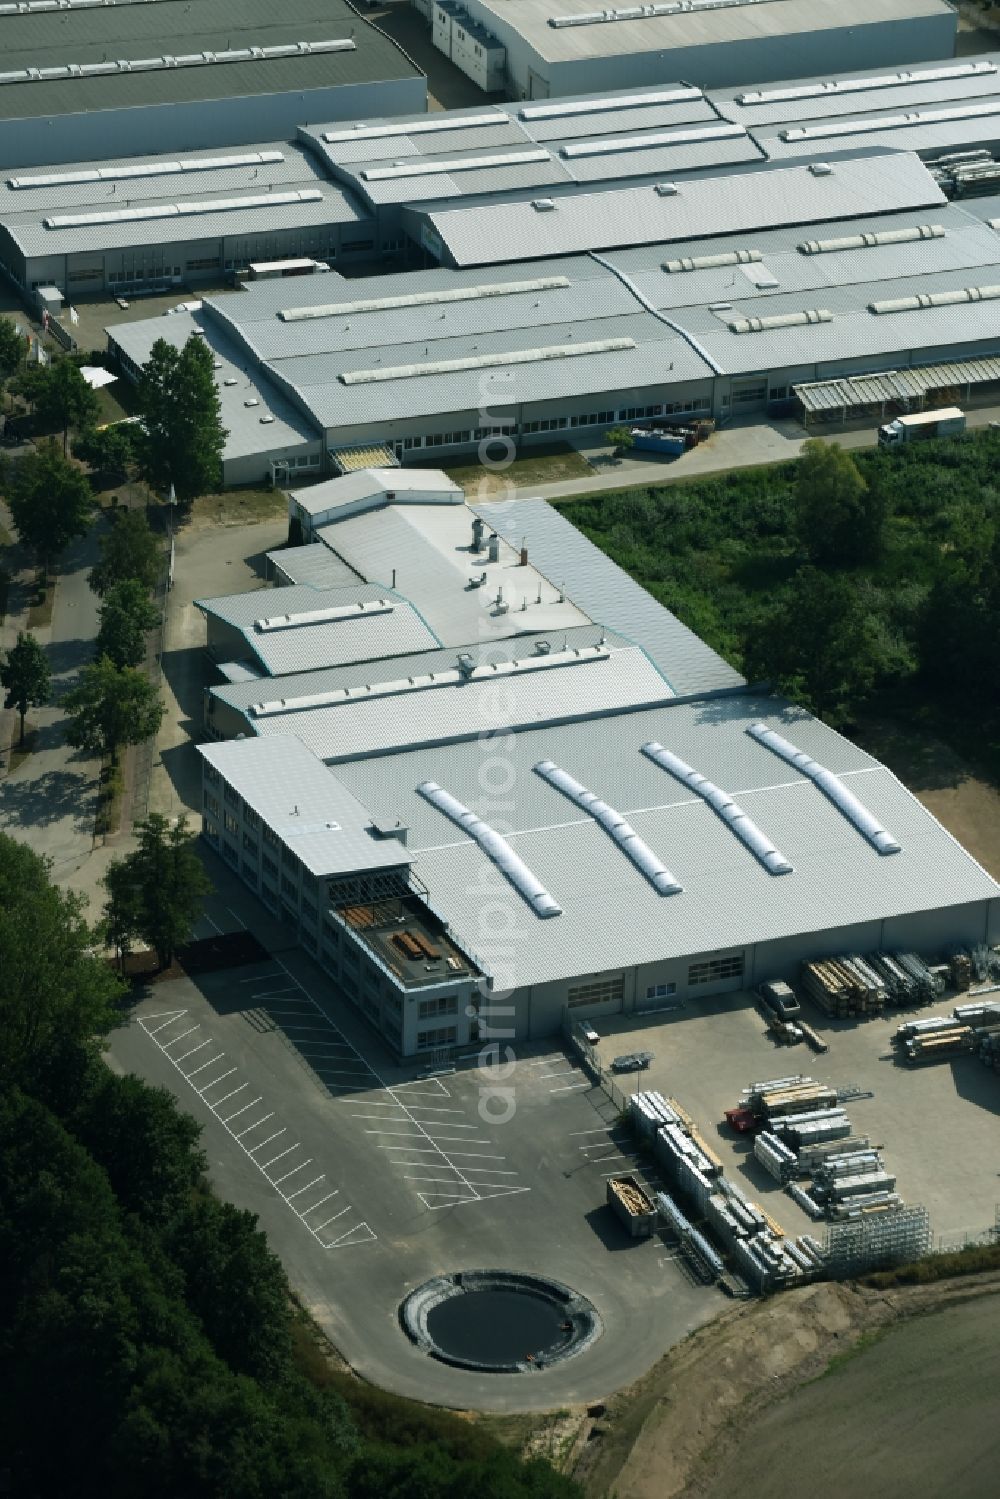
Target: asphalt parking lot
<point x="370" y="1179"/>
<point x="937" y="1124"/>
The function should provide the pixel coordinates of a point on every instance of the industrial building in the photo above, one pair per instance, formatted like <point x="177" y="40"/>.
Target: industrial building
<point x="417" y="190"/>
<point x="82" y="79"/>
<point x="540" y="49"/>
<point x="730" y="295"/>
<point x="585" y="811"/>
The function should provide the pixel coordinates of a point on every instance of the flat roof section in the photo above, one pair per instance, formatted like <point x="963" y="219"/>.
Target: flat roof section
<point x="297" y="797"/>
<point x="69" y="38"/>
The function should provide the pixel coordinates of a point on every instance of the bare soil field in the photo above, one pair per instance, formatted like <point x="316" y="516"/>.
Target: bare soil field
<point x="811" y="1391"/>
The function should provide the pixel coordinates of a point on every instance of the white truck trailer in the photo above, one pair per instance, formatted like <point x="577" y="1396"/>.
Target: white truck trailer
<point x="945" y="422"/>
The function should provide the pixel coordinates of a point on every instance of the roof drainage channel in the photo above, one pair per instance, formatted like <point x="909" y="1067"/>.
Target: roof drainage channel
<point x="613" y="823"/>
<point x="497" y="849"/>
<point x="722" y="803"/>
<point x="630" y="285"/>
<point x="832" y="786"/>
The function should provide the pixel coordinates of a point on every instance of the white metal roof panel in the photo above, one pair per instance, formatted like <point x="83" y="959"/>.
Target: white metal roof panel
<point x="296" y="796"/>
<point x="728" y="900"/>
<point x="609" y="595"/>
<point x="701" y="207"/>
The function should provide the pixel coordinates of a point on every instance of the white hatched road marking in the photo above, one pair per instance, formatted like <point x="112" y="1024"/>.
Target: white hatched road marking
<point x="418" y="1085"/>
<point x="359" y="1233"/>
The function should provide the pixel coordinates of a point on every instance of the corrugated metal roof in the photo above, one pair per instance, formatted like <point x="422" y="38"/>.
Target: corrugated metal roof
<point x="894" y="385"/>
<point x="429" y="714"/>
<point x="296" y="797"/>
<point x="769" y="22"/>
<point x="407" y="486"/>
<point x="609" y="595"/>
<point x="23" y="211"/>
<point x="61" y="36"/>
<point x="240" y="695"/>
<point x="314" y="566"/>
<point x="701" y="207"/>
<point x="428" y="549"/>
<point x="729" y="900"/>
<point x="303" y="647"/>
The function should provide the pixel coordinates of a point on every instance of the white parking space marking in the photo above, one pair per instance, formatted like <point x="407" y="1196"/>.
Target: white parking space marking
<point x="299" y="1199"/>
<point x="437" y="1143"/>
<point x="568" y="1087"/>
<point x="566" y="1072"/>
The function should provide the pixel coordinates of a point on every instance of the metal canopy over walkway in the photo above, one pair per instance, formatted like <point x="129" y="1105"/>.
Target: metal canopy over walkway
<point x="908" y="388"/>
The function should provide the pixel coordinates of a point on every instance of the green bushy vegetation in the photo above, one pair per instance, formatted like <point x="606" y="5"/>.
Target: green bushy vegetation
<point x="833" y="576"/>
<point x="147" y="1334"/>
<point x="971" y="1261"/>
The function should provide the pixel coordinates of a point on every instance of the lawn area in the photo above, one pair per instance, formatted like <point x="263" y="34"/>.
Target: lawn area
<point x="908" y="618"/>
<point x="237" y="507"/>
<point x="546" y="465"/>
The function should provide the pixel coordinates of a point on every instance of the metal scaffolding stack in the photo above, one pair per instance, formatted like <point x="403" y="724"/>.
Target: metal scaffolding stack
<point x="942" y="1036"/>
<point x="876" y="1238"/>
<point x="863" y="986"/>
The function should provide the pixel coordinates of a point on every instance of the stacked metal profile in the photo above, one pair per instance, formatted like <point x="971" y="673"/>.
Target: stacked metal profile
<point x="700" y="1249"/>
<point x="963" y="174"/>
<point x="814" y="1128"/>
<point x="687" y="1167"/>
<point x="775" y="1156"/>
<point x="785" y="1096"/>
<point x="844" y="986"/>
<point x="908" y="979"/>
<point x="649" y="1112"/>
<point x="942" y="1036"/>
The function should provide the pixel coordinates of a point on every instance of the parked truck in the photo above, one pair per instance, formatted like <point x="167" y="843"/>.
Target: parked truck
<point x="945" y="422"/>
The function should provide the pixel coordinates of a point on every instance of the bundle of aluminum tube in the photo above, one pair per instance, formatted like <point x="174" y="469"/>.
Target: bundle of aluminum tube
<point x="649" y="1112"/>
<point x="801" y="1196"/>
<point x="832" y="1124"/>
<point x="775" y="1156"/>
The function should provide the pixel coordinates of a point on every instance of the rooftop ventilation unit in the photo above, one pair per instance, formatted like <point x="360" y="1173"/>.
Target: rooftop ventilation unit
<point x="614" y="824"/>
<point x="832" y="786"/>
<point x="659" y="138"/>
<point x="431" y="167"/>
<point x="543" y="205"/>
<point x="889" y="122"/>
<point x="424" y="299"/>
<point x="862" y="85"/>
<point x="721" y="803"/>
<point x="434" y="124"/>
<point x="159" y="64"/>
<point x="937" y="299"/>
<point x="333" y="615"/>
<point x="148" y="168"/>
<point x="780" y="320"/>
<point x="713" y="262"/>
<point x="821" y="169"/>
<point x="666" y="189"/>
<point x="181" y="210"/>
<point x="497" y="849"/>
<point x="485" y="361"/>
<point x="609" y="102"/>
<point x="869" y="241"/>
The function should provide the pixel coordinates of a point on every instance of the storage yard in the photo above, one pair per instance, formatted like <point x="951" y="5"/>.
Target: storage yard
<point x="926" y="1136"/>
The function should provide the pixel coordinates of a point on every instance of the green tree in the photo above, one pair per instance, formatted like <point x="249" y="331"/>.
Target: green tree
<point x="63" y="399"/>
<point x="128" y="550"/>
<point x="837" y="522"/>
<point x="183" y="437"/>
<point x="620" y="438"/>
<point x="26" y="676"/>
<point x="121" y="910"/>
<point x="53" y="989"/>
<point x="127" y="616"/>
<point x="107" y="450"/>
<point x="13" y="349"/>
<point x="818" y="647"/>
<point x="111" y="706"/>
<point x="50" y="501"/>
<point x="170" y="883"/>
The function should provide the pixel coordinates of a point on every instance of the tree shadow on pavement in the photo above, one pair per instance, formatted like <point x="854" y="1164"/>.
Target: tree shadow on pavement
<point x="186" y="672"/>
<point x="47" y="799"/>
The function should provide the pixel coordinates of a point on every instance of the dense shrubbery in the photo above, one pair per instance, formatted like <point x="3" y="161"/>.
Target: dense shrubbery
<point x="887" y="561"/>
<point x="971" y="1261"/>
<point x="146" y="1330"/>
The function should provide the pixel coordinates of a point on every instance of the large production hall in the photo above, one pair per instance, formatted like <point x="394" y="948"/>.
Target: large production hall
<point x="579" y="811"/>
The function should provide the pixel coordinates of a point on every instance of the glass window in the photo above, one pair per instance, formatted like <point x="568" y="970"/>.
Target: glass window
<point x="599" y="992"/>
<point x="716" y="969"/>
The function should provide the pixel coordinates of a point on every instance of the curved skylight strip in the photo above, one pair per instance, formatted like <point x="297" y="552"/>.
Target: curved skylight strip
<point x="431" y="167"/>
<point x="484" y="361"/>
<point x="613" y="823"/>
<point x="862" y="85"/>
<point x="432" y="125"/>
<point x="162" y="64"/>
<point x="608" y="102"/>
<point x="832" y="786"/>
<point x="424" y="298"/>
<point x="497" y="849"/>
<point x="888" y="122"/>
<point x="182" y="210"/>
<point x="148" y="169"/>
<point x="614" y="143"/>
<point x="722" y="803"/>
